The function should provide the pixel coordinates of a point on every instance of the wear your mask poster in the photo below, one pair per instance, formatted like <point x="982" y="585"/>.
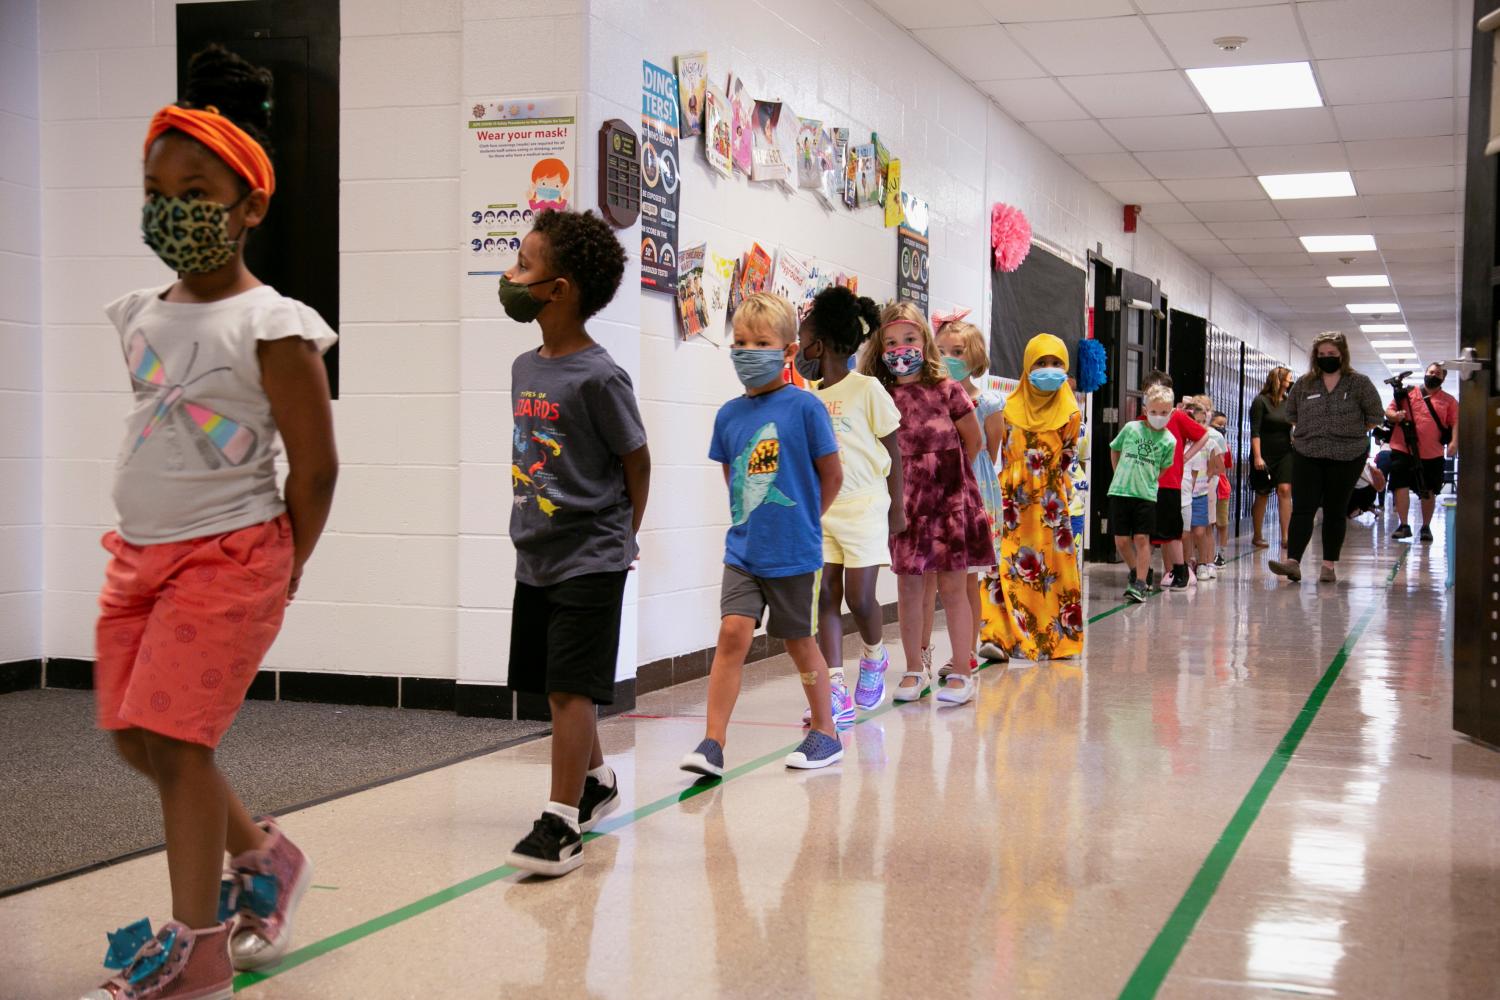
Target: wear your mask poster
<point x="519" y="158"/>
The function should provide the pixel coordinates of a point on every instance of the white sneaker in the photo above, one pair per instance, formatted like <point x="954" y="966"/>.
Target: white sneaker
<point x="911" y="692"/>
<point x="1205" y="571"/>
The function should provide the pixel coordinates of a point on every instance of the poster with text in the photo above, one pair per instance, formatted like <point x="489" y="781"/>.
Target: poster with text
<point x="660" y="177"/>
<point x="912" y="253"/>
<point x="518" y="161"/>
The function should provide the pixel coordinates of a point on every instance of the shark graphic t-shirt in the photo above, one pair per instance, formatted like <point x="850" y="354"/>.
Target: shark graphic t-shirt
<point x="200" y="447"/>
<point x="575" y="416"/>
<point x="770" y="443"/>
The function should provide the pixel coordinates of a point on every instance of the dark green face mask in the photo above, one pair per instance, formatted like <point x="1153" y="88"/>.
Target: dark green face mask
<point x="518" y="302"/>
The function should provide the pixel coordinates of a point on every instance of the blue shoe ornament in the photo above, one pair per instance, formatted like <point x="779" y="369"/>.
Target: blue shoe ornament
<point x="248" y="892"/>
<point x="125" y="942"/>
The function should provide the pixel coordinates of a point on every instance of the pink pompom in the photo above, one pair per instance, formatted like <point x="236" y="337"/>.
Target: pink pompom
<point x="1010" y="235"/>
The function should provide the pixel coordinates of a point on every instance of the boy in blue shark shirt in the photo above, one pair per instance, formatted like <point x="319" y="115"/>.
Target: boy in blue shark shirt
<point x="781" y="463"/>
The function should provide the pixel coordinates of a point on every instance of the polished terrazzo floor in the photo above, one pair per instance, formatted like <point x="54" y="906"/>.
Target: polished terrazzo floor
<point x="1122" y="826"/>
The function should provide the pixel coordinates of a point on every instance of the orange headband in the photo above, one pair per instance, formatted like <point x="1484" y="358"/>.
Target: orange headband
<point x="227" y="140"/>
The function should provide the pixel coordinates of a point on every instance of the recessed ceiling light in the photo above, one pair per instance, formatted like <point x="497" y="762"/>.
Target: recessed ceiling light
<point x="1337" y="244"/>
<point x="1373" y="307"/>
<point x="1267" y="87"/>
<point x="1284" y="187"/>
<point x="1398" y="357"/>
<point x="1383" y="328"/>
<point x="1359" y="281"/>
<point x="1386" y="344"/>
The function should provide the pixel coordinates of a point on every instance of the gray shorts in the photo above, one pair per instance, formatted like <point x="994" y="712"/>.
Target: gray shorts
<point x="793" y="601"/>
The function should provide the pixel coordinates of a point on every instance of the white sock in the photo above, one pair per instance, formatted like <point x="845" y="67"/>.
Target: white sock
<point x="603" y="775"/>
<point x="569" y="813"/>
<point x="836" y="675"/>
<point x="872" y="652"/>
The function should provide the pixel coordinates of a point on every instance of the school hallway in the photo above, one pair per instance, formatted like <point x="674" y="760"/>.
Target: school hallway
<point x="1249" y="790"/>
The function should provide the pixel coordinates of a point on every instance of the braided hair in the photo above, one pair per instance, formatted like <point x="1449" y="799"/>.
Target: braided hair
<point x="239" y="89"/>
<point x="842" y="320"/>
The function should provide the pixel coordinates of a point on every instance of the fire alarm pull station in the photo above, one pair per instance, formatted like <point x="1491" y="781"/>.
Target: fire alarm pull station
<point x="620" y="178"/>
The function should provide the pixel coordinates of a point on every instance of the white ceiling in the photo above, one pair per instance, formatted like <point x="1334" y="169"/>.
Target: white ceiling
<point x="1102" y="82"/>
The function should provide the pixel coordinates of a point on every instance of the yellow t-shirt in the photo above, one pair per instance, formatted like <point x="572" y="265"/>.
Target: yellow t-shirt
<point x="862" y="413"/>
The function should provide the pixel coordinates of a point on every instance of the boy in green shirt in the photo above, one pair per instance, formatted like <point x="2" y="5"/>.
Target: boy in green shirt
<point x="1139" y="453"/>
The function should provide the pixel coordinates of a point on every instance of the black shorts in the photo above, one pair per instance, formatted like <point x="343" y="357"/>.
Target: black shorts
<point x="1130" y="516"/>
<point x="1404" y="474"/>
<point x="1168" y="516"/>
<point x="565" y="639"/>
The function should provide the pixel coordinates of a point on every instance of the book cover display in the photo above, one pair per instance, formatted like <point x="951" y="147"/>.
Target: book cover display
<point x="769" y="165"/>
<point x="718" y="276"/>
<point x="751" y="276"/>
<point x="692" y="304"/>
<point x="893" y="214"/>
<point x="741" y="125"/>
<point x="692" y="82"/>
<point x="867" y="186"/>
<point x="882" y="167"/>
<point x="718" y="131"/>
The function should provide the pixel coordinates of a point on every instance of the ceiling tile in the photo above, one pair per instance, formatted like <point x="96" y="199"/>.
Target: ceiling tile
<point x="1170" y="132"/>
<point x="1426" y="203"/>
<point x="1273" y="33"/>
<point x="982" y="53"/>
<point x="1397" y="120"/>
<point x="1250" y="230"/>
<point x="1105" y="45"/>
<point x="1131" y="95"/>
<point x="935" y="13"/>
<point x="1216" y="260"/>
<point x="1329" y="227"/>
<point x="1416" y="223"/>
<point x="1109" y="167"/>
<point x="1424" y="255"/>
<point x="1233" y="211"/>
<point x="1267" y="258"/>
<point x="1179" y="6"/>
<point x="1407" y="180"/>
<point x="1312" y="158"/>
<point x="1039" y="100"/>
<point x="1218" y="189"/>
<point x="1276" y="128"/>
<point x="1417" y="241"/>
<point x="1417" y="76"/>
<point x="1173" y="211"/>
<point x="1185" y="163"/>
<point x="1375" y="27"/>
<point x="1274" y="244"/>
<point x="1138" y="192"/>
<point x="1075" y="137"/>
<point x="1288" y="271"/>
<point x="1175" y="231"/>
<point x="1055" y="10"/>
<point x="1376" y="154"/>
<point x="1206" y="248"/>
<point x="1322" y="208"/>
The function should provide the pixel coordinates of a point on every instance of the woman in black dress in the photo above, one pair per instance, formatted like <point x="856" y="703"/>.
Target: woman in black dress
<point x="1271" y="454"/>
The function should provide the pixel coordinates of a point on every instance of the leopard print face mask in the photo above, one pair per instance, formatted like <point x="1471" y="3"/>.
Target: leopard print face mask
<point x="190" y="235"/>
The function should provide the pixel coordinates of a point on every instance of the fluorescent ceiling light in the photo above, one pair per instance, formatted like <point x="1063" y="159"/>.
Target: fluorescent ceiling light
<point x="1284" y="187"/>
<point x="1337" y="244"/>
<point x="1381" y="345"/>
<point x="1267" y="87"/>
<point x="1359" y="281"/>
<point x="1383" y="328"/>
<point x="1373" y="307"/>
<point x="1398" y="357"/>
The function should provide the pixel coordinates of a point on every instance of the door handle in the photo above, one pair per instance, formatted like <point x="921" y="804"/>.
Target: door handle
<point x="1466" y="364"/>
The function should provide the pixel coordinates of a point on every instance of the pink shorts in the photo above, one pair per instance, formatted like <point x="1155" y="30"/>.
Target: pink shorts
<point x="183" y="627"/>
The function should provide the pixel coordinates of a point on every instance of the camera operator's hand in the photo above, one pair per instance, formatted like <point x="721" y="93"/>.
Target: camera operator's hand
<point x="1392" y="413"/>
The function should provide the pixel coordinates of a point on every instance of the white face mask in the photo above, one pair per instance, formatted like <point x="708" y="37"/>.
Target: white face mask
<point x="1159" y="420"/>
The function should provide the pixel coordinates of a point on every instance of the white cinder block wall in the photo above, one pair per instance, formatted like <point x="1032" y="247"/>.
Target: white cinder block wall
<point x="20" y="336"/>
<point x="414" y="576"/>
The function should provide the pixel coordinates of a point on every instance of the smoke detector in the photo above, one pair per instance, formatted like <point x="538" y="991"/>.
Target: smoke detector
<point x="1347" y="260"/>
<point x="1230" y="43"/>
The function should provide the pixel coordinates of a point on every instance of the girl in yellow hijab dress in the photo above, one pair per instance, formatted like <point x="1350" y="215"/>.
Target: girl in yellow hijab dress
<point x="1037" y="595"/>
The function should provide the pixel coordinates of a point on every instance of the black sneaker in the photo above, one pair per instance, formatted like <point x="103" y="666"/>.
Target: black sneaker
<point x="599" y="800"/>
<point x="1426" y="534"/>
<point x="1180" y="581"/>
<point x="552" y="848"/>
<point x="1402" y="532"/>
<point x="1151" y="587"/>
<point x="1219" y="560"/>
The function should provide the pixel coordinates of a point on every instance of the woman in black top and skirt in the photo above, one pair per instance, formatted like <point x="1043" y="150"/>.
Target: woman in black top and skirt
<point x="1332" y="409"/>
<point x="1271" y="454"/>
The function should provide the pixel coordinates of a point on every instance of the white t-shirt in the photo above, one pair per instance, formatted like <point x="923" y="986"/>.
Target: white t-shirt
<point x="200" y="448"/>
<point x="1196" y="471"/>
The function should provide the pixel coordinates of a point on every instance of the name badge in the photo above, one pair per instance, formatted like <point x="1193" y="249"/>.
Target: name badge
<point x="1316" y="396"/>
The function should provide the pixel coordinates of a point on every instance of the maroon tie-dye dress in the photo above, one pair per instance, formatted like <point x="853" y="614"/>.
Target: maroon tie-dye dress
<point x="947" y="529"/>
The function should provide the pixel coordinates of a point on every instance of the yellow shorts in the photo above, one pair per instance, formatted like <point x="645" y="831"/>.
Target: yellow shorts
<point x="857" y="533"/>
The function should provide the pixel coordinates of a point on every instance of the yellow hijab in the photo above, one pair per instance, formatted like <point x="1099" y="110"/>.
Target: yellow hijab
<point x="1031" y="409"/>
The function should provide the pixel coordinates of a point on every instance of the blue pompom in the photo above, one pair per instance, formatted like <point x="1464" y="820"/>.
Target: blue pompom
<point x="1092" y="370"/>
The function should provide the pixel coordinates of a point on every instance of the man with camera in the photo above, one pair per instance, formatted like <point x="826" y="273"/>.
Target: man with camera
<point x="1424" y="427"/>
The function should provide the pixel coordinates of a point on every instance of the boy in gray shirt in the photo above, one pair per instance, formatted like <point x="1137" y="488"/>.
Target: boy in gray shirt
<point x="581" y="473"/>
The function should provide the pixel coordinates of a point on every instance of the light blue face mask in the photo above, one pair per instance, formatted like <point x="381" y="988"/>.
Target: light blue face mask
<point x="958" y="368"/>
<point x="757" y="366"/>
<point x="1048" y="379"/>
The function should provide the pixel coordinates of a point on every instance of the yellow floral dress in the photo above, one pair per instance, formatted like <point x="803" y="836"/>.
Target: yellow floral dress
<point x="1033" y="605"/>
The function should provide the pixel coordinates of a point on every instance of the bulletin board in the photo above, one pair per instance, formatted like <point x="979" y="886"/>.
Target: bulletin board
<point x="1044" y="295"/>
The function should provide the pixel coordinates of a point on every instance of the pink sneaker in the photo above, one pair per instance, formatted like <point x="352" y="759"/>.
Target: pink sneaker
<point x="175" y="964"/>
<point x="260" y="894"/>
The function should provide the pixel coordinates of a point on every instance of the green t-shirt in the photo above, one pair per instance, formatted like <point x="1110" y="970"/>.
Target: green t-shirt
<point x="1144" y="453"/>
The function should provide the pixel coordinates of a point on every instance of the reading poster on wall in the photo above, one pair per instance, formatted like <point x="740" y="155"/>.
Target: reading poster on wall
<point x="912" y="253"/>
<point x="518" y="161"/>
<point x="659" y="179"/>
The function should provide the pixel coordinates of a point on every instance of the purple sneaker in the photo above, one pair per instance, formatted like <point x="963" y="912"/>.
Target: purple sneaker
<point x="843" y="707"/>
<point x="260" y="896"/>
<point x="870" y="691"/>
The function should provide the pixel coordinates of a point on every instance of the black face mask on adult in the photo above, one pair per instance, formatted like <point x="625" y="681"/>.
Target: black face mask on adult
<point x="1433" y="382"/>
<point x="1329" y="365"/>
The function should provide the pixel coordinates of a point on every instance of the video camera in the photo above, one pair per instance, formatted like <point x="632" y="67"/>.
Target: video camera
<point x="1387" y="430"/>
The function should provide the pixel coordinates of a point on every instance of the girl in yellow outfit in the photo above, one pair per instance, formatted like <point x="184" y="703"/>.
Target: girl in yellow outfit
<point x="1037" y="595"/>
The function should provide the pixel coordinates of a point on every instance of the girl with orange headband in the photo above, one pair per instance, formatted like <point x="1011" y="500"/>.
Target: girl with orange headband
<point x="207" y="553"/>
<point x="947" y="531"/>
